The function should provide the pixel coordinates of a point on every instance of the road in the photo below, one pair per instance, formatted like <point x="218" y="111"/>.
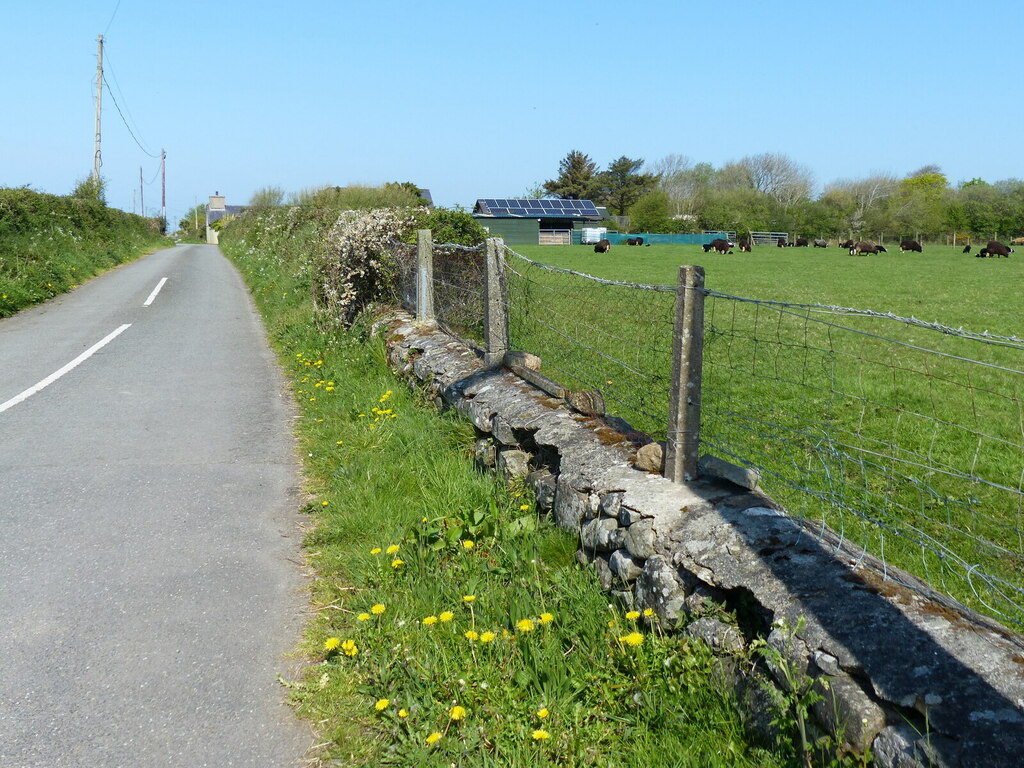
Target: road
<point x="149" y="550"/>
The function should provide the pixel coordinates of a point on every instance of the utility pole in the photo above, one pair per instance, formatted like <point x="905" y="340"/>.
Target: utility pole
<point x="99" y="109"/>
<point x="163" y="186"/>
<point x="142" y="197"/>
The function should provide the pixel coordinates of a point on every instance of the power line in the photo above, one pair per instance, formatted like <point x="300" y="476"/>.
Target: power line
<point x="130" y="132"/>
<point x="117" y="84"/>
<point x="116" y="7"/>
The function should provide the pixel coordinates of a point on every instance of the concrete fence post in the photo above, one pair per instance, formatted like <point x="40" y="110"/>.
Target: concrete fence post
<point x="424" y="276"/>
<point x="683" y="445"/>
<point x="495" y="304"/>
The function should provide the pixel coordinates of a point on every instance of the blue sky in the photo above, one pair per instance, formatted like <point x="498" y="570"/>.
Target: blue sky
<point x="483" y="99"/>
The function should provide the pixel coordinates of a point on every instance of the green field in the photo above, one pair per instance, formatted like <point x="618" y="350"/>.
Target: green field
<point x="907" y="440"/>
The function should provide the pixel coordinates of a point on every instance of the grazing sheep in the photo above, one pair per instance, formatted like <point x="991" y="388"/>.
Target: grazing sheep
<point x="706" y="247"/>
<point x="967" y="249"/>
<point x="983" y="253"/>
<point x="721" y="246"/>
<point x="802" y="242"/>
<point x="819" y="243"/>
<point x="603" y="246"/>
<point x="745" y="246"/>
<point x="866" y="246"/>
<point x="910" y="245"/>
<point x="995" y="248"/>
<point x="781" y="242"/>
<point x="847" y="244"/>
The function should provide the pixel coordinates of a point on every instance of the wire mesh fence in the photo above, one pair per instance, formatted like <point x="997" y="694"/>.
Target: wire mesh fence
<point x="904" y="438"/>
<point x="459" y="291"/>
<point x="597" y="335"/>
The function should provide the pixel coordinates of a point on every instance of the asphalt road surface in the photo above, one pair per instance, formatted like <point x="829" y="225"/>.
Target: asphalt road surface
<point x="150" y="584"/>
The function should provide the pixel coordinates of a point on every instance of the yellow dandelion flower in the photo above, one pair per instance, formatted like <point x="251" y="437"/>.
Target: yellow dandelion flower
<point x="648" y="612"/>
<point x="377" y="610"/>
<point x="381" y="704"/>
<point x="392" y="549"/>
<point x="545" y="618"/>
<point x="349" y="648"/>
<point x="633" y="615"/>
<point x="446" y="616"/>
<point x="457" y="713"/>
<point x="633" y="638"/>
<point x="434" y="738"/>
<point x="375" y="551"/>
<point x="486" y="637"/>
<point x="611" y="623"/>
<point x="524" y="507"/>
<point x="430" y="620"/>
<point x="468" y="544"/>
<point x="543" y="713"/>
<point x="363" y="617"/>
<point x="331" y="644"/>
<point x="324" y="503"/>
<point x="396" y="563"/>
<point x="540" y="735"/>
<point x="468" y="598"/>
<point x="525" y="625"/>
<point x="403" y="713"/>
<point x="470" y="635"/>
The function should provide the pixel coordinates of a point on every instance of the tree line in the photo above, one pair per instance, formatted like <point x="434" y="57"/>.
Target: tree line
<point x="772" y="192"/>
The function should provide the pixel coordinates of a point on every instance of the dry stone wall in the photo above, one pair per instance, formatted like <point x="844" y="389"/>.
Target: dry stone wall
<point x="913" y="676"/>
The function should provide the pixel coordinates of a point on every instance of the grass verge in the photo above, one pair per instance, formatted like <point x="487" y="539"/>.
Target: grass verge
<point x="452" y="626"/>
<point x="50" y="244"/>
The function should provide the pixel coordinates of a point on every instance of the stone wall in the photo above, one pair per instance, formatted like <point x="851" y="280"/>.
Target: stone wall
<point x="908" y="673"/>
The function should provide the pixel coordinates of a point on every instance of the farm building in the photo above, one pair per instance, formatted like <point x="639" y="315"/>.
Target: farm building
<point x="536" y="221"/>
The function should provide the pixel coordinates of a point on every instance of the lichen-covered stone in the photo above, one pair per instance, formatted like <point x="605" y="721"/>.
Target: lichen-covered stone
<point x="650" y="458"/>
<point x="640" y="539"/>
<point x="484" y="453"/>
<point x="659" y="588"/>
<point x="570" y="505"/>
<point x="513" y="464"/>
<point x="601" y="535"/>
<point x="624" y="566"/>
<point x="722" y="637"/>
<point x="610" y="504"/>
<point x="543" y="484"/>
<point x="502" y="431"/>
<point x="628" y="516"/>
<point x="900" y="746"/>
<point x="605" y="577"/>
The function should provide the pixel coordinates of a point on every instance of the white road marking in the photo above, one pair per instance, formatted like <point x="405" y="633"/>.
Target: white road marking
<point x="155" y="291"/>
<point x="57" y="374"/>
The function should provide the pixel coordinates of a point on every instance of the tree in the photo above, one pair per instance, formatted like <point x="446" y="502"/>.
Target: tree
<point x="779" y="177"/>
<point x="919" y="203"/>
<point x="864" y="201"/>
<point x="650" y="213"/>
<point x="193" y="224"/>
<point x="267" y="197"/>
<point x="684" y="183"/>
<point x="623" y="184"/>
<point x="576" y="178"/>
<point x="91" y="188"/>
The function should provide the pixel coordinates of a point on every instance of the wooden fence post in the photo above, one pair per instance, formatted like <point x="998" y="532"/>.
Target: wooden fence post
<point x="495" y="304"/>
<point x="683" y="445"/>
<point x="424" y="276"/>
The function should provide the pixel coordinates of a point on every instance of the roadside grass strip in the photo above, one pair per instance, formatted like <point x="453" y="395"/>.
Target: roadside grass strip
<point x="452" y="626"/>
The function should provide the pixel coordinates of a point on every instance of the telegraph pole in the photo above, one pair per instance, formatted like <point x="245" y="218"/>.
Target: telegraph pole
<point x="163" y="186"/>
<point x="99" y="108"/>
<point x="142" y="198"/>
